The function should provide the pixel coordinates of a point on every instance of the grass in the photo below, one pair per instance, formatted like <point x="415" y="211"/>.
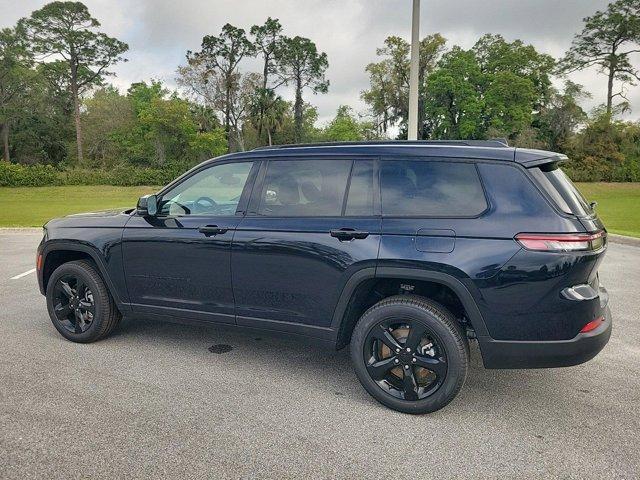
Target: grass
<point x="618" y="203"/>
<point x="34" y="206"/>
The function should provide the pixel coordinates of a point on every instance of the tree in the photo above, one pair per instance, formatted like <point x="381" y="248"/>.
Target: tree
<point x="241" y="102"/>
<point x="220" y="56"/>
<point x="166" y="130"/>
<point x="267" y="111"/>
<point x="562" y="115"/>
<point x="268" y="38"/>
<point x="388" y="96"/>
<point x="300" y="63"/>
<point x="454" y="103"/>
<point x="496" y="56"/>
<point x="346" y="127"/>
<point x="107" y="119"/>
<point x="15" y="73"/>
<point x="67" y="29"/>
<point x="607" y="41"/>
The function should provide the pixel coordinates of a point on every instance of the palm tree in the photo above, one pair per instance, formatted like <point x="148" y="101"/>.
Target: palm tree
<point x="268" y="112"/>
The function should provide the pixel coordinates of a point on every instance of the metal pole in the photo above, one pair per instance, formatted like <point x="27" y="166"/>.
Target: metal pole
<point x="412" y="133"/>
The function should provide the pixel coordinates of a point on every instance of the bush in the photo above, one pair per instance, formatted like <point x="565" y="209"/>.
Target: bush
<point x="605" y="151"/>
<point x="14" y="175"/>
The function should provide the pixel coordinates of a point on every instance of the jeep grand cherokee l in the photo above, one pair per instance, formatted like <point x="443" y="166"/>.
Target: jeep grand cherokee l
<point x="403" y="250"/>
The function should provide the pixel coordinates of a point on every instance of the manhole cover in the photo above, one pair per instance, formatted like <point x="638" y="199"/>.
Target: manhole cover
<point x="220" y="348"/>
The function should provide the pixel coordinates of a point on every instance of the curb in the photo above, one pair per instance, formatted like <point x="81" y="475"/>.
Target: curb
<point x="623" y="240"/>
<point x="20" y="229"/>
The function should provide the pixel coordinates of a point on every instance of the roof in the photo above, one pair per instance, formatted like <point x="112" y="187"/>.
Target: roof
<point x="477" y="149"/>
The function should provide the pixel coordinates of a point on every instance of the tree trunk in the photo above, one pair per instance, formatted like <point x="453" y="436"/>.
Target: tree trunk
<point x="76" y="111"/>
<point x="298" y="112"/>
<point x="612" y="74"/>
<point x="240" y="140"/>
<point x="269" y="133"/>
<point x="265" y="75"/>
<point x="4" y="129"/>
<point x="227" y="112"/>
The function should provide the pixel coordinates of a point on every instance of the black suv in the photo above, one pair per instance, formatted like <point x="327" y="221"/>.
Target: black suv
<point x="402" y="250"/>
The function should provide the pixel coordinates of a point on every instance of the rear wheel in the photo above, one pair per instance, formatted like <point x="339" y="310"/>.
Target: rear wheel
<point x="79" y="303"/>
<point x="410" y="354"/>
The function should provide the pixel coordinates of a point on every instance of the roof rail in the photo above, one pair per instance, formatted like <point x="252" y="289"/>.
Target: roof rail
<point x="497" y="142"/>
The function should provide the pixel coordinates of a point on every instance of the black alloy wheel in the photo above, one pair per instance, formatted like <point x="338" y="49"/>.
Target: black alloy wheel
<point x="405" y="358"/>
<point x="73" y="304"/>
<point x="410" y="353"/>
<point x="79" y="302"/>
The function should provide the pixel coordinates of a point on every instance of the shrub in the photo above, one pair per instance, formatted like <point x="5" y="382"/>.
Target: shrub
<point x="15" y="175"/>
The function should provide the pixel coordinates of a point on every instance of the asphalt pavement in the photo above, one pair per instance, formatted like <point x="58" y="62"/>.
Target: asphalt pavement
<point x="153" y="401"/>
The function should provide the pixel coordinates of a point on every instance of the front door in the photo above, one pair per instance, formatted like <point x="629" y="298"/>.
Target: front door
<point x="178" y="262"/>
<point x="311" y="224"/>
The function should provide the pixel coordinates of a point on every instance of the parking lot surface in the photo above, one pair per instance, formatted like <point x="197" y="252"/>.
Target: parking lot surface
<point x="152" y="400"/>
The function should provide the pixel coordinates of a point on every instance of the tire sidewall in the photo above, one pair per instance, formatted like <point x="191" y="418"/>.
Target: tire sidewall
<point x="80" y="271"/>
<point x="457" y="360"/>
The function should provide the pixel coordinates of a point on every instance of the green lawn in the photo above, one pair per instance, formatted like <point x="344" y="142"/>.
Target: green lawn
<point x="618" y="203"/>
<point x="34" y="206"/>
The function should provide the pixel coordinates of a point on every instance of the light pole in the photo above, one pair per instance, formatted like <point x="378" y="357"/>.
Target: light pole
<point x="412" y="133"/>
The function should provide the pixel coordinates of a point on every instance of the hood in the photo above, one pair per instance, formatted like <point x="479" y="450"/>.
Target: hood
<point x="105" y="218"/>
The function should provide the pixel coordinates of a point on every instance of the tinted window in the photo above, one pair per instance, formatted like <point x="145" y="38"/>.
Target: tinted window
<point x="428" y="188"/>
<point x="214" y="191"/>
<point x="361" y="187"/>
<point x="562" y="190"/>
<point x="304" y="188"/>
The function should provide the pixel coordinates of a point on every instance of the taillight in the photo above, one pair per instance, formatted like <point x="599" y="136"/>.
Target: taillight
<point x="39" y="262"/>
<point x="592" y="325"/>
<point x="562" y="242"/>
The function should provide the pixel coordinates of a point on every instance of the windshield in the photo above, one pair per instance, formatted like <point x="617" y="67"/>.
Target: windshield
<point x="562" y="190"/>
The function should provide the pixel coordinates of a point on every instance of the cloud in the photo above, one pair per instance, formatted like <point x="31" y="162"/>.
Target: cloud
<point x="159" y="32"/>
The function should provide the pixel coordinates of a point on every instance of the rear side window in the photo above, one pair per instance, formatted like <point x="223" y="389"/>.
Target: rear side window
<point x="304" y="188"/>
<point x="361" y="188"/>
<point x="561" y="189"/>
<point x="431" y="188"/>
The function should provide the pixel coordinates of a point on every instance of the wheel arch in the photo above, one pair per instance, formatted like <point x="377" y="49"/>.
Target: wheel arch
<point x="343" y="319"/>
<point x="57" y="253"/>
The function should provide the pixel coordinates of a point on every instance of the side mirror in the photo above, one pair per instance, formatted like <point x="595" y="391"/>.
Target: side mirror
<point x="147" y="206"/>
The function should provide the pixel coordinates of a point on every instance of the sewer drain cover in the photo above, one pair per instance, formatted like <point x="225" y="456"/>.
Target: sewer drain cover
<point x="220" y="348"/>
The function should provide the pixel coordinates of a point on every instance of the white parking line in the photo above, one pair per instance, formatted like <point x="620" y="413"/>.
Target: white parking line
<point x="24" y="274"/>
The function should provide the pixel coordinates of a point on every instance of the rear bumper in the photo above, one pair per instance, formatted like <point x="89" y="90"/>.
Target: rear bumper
<point x="547" y="354"/>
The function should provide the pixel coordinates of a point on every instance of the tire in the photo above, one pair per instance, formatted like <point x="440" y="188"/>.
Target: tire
<point x="441" y="353"/>
<point x="96" y="315"/>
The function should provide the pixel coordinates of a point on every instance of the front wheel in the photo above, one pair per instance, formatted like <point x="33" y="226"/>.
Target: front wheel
<point x="410" y="354"/>
<point x="79" y="303"/>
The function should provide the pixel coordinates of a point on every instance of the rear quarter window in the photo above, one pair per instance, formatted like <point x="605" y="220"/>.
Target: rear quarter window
<point x="561" y="189"/>
<point x="431" y="188"/>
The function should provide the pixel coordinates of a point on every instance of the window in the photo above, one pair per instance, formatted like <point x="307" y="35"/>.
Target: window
<point x="304" y="188"/>
<point x="360" y="196"/>
<point x="214" y="191"/>
<point x="431" y="188"/>
<point x="558" y="185"/>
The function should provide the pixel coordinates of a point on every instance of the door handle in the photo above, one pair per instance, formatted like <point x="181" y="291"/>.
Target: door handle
<point x="343" y="234"/>
<point x="209" y="230"/>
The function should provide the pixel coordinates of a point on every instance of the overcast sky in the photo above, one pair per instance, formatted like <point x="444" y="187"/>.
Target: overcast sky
<point x="159" y="32"/>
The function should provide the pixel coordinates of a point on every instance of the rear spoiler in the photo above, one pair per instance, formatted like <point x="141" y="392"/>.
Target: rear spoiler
<point x="534" y="158"/>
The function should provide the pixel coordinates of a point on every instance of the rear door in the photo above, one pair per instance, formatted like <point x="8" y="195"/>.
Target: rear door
<point x="311" y="224"/>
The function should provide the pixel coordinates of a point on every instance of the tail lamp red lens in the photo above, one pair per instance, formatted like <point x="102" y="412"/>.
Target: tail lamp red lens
<point x="562" y="242"/>
<point x="592" y="325"/>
